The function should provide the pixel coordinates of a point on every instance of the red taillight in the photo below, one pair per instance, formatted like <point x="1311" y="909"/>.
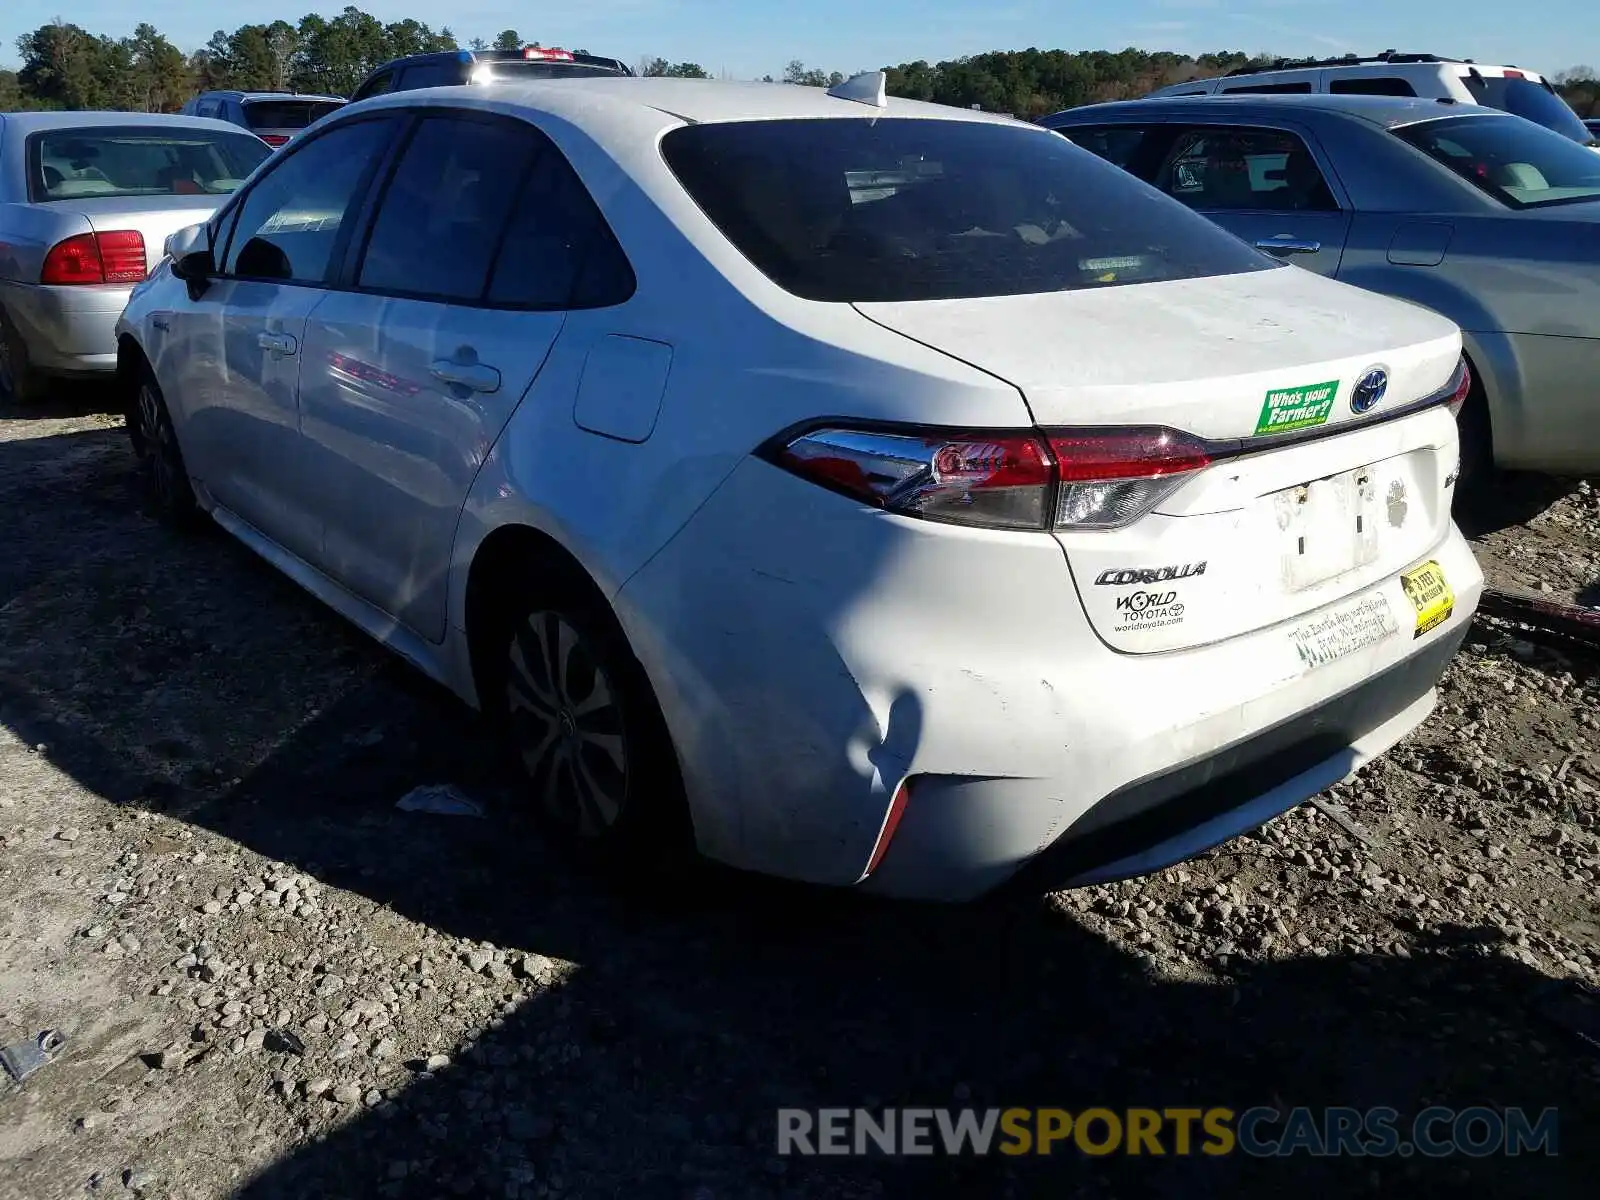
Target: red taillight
<point x="1087" y="479"/>
<point x="116" y="256"/>
<point x="1111" y="478"/>
<point x="1510" y="74"/>
<point x="532" y="52"/>
<point x="273" y="139"/>
<point x="1463" y="382"/>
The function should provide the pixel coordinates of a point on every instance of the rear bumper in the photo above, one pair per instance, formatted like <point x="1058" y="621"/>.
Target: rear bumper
<point x="1181" y="812"/>
<point x="809" y="657"/>
<point x="67" y="330"/>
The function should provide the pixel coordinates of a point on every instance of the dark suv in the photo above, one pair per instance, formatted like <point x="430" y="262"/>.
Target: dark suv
<point x="449" y="68"/>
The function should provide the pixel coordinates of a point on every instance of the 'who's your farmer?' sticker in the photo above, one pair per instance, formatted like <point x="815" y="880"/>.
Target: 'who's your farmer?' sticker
<point x="1288" y="409"/>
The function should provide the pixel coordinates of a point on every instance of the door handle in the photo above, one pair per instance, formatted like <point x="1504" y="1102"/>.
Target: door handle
<point x="1288" y="244"/>
<point x="161" y="323"/>
<point x="475" y="377"/>
<point x="276" y="343"/>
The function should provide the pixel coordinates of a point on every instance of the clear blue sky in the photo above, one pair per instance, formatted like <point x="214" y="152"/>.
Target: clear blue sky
<point x="750" y="38"/>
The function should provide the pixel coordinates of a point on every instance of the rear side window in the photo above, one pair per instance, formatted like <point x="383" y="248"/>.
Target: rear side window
<point x="558" y="251"/>
<point x="444" y="208"/>
<point x="887" y="209"/>
<point x="286" y="114"/>
<point x="1375" y="86"/>
<point x="108" y="161"/>
<point x="1272" y="89"/>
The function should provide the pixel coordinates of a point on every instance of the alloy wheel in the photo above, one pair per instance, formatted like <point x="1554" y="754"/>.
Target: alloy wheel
<point x="567" y="721"/>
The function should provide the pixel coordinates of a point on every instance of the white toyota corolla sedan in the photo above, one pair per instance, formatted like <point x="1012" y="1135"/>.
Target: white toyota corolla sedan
<point x="860" y="491"/>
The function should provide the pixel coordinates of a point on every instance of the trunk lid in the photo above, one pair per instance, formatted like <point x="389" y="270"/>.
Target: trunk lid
<point x="1262" y="536"/>
<point x="155" y="217"/>
<point x="1198" y="354"/>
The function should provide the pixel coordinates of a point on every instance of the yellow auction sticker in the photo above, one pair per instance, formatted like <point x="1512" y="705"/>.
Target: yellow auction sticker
<point x="1430" y="594"/>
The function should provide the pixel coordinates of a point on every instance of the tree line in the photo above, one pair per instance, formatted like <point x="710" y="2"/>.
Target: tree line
<point x="67" y="67"/>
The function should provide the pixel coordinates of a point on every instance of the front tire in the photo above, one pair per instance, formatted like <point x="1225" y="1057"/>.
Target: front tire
<point x="163" y="477"/>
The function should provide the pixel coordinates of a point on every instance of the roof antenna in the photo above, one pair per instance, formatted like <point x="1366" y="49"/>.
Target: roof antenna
<point x="869" y="87"/>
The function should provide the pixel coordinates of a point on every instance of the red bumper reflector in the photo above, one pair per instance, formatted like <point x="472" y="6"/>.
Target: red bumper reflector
<point x="897" y="808"/>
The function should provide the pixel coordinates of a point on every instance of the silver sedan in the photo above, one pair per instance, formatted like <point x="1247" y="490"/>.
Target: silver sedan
<point x="87" y="201"/>
<point x="1482" y="216"/>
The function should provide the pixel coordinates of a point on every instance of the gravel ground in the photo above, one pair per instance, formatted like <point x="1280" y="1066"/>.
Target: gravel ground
<point x="275" y="984"/>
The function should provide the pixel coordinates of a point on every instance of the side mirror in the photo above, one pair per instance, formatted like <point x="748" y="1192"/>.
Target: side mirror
<point x="190" y="237"/>
<point x="196" y="269"/>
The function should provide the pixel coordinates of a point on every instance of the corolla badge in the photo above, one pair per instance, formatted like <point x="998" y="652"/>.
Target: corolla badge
<point x="1369" y="390"/>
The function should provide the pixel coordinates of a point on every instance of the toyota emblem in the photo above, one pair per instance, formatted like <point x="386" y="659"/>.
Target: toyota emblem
<point x="1369" y="390"/>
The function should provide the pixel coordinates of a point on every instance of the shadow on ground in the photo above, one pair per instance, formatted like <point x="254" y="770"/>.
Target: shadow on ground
<point x="657" y="1069"/>
<point x="1506" y="499"/>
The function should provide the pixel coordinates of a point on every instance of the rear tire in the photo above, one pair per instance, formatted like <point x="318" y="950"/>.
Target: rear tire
<point x="582" y="726"/>
<point x="1477" y="443"/>
<point x="163" y="477"/>
<point x="21" y="386"/>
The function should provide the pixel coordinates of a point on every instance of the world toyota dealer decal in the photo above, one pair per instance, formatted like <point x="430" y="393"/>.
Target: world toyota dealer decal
<point x="1150" y="606"/>
<point x="1148" y="610"/>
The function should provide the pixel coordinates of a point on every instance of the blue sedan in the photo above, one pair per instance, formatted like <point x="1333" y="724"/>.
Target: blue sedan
<point x="1482" y="216"/>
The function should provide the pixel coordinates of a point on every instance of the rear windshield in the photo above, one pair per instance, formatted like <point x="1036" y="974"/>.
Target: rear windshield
<point x="74" y="164"/>
<point x="286" y="114"/>
<point x="892" y="209"/>
<point x="1524" y="98"/>
<point x="1517" y="162"/>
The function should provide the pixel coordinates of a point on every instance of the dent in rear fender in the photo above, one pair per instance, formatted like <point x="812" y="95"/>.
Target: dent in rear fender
<point x="811" y="653"/>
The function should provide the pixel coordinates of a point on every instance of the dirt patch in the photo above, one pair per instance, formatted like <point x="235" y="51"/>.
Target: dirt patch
<point x="276" y="984"/>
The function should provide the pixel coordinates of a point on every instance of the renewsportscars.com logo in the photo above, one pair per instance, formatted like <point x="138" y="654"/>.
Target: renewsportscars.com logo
<point x="1261" y="1132"/>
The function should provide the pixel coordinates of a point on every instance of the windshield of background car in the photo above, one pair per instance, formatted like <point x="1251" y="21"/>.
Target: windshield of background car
<point x="848" y="210"/>
<point x="1524" y="98"/>
<point x="286" y="114"/>
<point x="75" y="164"/>
<point x="1518" y="163"/>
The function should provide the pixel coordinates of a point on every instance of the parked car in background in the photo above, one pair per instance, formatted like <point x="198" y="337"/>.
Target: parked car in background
<point x="451" y="68"/>
<point x="274" y="117"/>
<point x="1484" y="217"/>
<point x="874" y="492"/>
<point x="1423" y="76"/>
<point x="87" y="200"/>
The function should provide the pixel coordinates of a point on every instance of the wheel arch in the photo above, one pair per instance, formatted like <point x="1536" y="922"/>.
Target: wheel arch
<point x="510" y="558"/>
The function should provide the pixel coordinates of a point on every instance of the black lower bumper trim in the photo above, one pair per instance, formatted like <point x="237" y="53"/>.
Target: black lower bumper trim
<point x="1150" y="811"/>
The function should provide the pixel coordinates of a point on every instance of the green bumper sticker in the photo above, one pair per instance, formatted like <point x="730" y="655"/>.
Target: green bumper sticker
<point x="1288" y="409"/>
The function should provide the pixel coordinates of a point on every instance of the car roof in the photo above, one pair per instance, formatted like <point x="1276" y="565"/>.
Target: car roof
<point x="698" y="101"/>
<point x="34" y="122"/>
<point x="1387" y="112"/>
